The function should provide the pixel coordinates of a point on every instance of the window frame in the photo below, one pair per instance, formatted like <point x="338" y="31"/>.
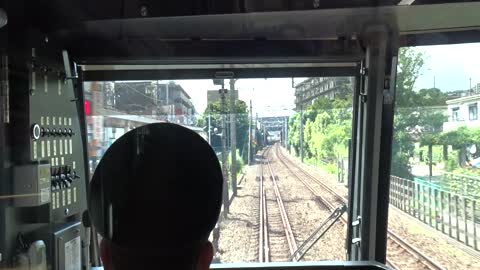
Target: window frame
<point x="456" y="114"/>
<point x="473" y="108"/>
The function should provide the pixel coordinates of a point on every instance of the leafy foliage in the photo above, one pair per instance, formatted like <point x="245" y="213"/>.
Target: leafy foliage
<point x="216" y="111"/>
<point x="417" y="116"/>
<point x="327" y="123"/>
<point x="410" y="62"/>
<point x="460" y="138"/>
<point x="327" y="129"/>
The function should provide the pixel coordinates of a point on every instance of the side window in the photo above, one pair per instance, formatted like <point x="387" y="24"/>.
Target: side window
<point x="455" y="114"/>
<point x="435" y="169"/>
<point x="473" y="111"/>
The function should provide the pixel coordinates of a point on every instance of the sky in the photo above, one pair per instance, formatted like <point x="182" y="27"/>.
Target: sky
<point x="452" y="66"/>
<point x="270" y="97"/>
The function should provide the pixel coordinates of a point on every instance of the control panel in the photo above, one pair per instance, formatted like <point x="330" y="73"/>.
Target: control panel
<point x="33" y="181"/>
<point x="45" y="186"/>
<point x="47" y="114"/>
<point x="54" y="140"/>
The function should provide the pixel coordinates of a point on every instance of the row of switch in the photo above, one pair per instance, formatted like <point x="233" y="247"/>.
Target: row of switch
<point x="38" y="132"/>
<point x="62" y="177"/>
<point x="46" y="132"/>
<point x="63" y="198"/>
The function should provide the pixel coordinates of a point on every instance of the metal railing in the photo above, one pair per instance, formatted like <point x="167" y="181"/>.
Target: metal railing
<point x="455" y="215"/>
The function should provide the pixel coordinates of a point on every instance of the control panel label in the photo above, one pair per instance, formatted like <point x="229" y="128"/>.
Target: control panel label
<point x="54" y="122"/>
<point x="42" y="120"/>
<point x="54" y="146"/>
<point x="74" y="194"/>
<point x="62" y="161"/>
<point x="58" y="199"/>
<point x="60" y="144"/>
<point x="70" y="146"/>
<point x="54" y="202"/>
<point x="73" y="254"/>
<point x="44" y="195"/>
<point x="48" y="148"/>
<point x="35" y="150"/>
<point x="43" y="149"/>
<point x="63" y="198"/>
<point x="48" y="120"/>
<point x="69" y="196"/>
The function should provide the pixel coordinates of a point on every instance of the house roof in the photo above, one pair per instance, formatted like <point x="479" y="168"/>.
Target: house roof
<point x="462" y="100"/>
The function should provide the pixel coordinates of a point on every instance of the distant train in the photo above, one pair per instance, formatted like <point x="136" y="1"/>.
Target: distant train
<point x="273" y="137"/>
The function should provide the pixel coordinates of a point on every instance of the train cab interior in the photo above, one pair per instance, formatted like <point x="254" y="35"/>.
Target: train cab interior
<point x="257" y="80"/>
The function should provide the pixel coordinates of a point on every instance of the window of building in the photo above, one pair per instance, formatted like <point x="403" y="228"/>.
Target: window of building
<point x="473" y="111"/>
<point x="455" y="114"/>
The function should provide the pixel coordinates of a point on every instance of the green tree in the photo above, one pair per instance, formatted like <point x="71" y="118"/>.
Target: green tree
<point x="416" y="119"/>
<point x="431" y="97"/>
<point x="201" y="122"/>
<point x="216" y="112"/>
<point x="327" y="129"/>
<point x="410" y="62"/>
<point x="327" y="123"/>
<point x="294" y="132"/>
<point x="460" y="139"/>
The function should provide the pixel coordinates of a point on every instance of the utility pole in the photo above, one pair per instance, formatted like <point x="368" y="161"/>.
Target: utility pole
<point x="264" y="134"/>
<point x="166" y="93"/>
<point x="209" y="131"/>
<point x="256" y="126"/>
<point x="233" y="136"/>
<point x="470" y="89"/>
<point x="224" y="153"/>
<point x="286" y="132"/>
<point x="250" y="136"/>
<point x="167" y="102"/>
<point x="301" y="133"/>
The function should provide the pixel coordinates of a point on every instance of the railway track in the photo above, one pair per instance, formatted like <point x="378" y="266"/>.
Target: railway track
<point x="276" y="239"/>
<point x="400" y="254"/>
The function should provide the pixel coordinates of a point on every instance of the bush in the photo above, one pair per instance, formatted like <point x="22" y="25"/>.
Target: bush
<point x="401" y="165"/>
<point x="239" y="164"/>
<point x="452" y="162"/>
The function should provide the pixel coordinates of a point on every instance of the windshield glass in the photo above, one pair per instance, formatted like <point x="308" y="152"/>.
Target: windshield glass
<point x="276" y="208"/>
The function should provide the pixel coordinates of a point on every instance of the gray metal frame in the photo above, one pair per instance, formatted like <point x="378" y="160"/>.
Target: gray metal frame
<point x="287" y="25"/>
<point x="373" y="139"/>
<point x="370" y="36"/>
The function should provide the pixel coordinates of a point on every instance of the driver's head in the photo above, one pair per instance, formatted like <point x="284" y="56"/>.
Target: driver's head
<point x="155" y="197"/>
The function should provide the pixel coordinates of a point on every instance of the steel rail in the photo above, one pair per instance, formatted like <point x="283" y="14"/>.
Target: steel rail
<point x="424" y="259"/>
<point x="292" y="245"/>
<point x="263" y="245"/>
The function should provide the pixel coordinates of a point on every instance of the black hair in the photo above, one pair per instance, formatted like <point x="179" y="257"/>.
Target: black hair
<point x="138" y="258"/>
<point x="157" y="187"/>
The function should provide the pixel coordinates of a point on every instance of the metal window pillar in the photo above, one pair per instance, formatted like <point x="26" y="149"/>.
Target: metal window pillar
<point x="233" y="137"/>
<point x="372" y="141"/>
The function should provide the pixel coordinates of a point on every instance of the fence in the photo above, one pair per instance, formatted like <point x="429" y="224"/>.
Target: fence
<point x="455" y="215"/>
<point x="462" y="184"/>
